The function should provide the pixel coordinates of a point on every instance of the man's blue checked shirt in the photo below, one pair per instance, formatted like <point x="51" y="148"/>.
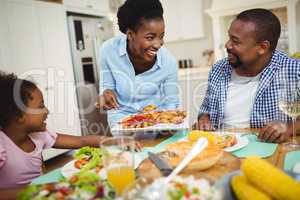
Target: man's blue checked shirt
<point x="280" y="72"/>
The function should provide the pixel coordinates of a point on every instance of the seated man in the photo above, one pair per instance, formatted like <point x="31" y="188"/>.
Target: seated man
<point x="243" y="89"/>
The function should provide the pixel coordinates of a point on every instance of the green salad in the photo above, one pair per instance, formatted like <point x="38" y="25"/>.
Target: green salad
<point x="84" y="185"/>
<point x="88" y="158"/>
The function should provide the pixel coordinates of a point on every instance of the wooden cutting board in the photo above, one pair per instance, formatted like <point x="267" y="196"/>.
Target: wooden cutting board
<point x="226" y="164"/>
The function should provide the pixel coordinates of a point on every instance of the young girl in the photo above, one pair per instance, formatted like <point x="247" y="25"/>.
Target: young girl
<point x="23" y="134"/>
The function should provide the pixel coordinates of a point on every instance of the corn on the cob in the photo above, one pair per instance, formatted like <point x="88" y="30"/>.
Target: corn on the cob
<point x="193" y="136"/>
<point x="271" y="180"/>
<point x="245" y="191"/>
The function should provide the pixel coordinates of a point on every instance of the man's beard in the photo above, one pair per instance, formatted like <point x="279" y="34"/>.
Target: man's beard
<point x="237" y="63"/>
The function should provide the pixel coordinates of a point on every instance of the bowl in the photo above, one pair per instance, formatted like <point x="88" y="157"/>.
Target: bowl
<point x="150" y="189"/>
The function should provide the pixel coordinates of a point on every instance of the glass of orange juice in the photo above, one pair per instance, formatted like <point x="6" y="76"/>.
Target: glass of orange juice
<point x="118" y="161"/>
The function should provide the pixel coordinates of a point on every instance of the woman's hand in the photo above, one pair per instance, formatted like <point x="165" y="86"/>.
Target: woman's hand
<point x="107" y="101"/>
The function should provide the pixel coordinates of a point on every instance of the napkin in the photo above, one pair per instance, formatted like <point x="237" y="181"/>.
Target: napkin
<point x="51" y="177"/>
<point x="290" y="160"/>
<point x="256" y="148"/>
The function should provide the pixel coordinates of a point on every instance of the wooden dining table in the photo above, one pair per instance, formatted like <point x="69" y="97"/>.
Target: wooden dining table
<point x="228" y="163"/>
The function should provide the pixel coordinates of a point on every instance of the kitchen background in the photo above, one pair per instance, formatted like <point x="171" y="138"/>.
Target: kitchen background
<point x="55" y="43"/>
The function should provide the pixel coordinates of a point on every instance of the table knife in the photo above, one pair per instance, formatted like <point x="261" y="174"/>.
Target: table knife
<point x="161" y="164"/>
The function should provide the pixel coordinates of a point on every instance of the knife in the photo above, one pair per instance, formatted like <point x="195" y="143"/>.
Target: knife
<point x="161" y="164"/>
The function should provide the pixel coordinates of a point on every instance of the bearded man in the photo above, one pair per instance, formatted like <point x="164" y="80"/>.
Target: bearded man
<point x="243" y="89"/>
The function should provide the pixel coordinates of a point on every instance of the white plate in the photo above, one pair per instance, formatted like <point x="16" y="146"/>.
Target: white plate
<point x="296" y="168"/>
<point x="157" y="127"/>
<point x="241" y="142"/>
<point x="69" y="170"/>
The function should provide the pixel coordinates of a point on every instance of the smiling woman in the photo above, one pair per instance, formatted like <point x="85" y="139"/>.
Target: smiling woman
<point x="136" y="70"/>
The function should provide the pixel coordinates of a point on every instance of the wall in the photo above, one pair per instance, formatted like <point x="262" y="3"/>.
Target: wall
<point x="224" y="5"/>
<point x="298" y="23"/>
<point x="194" y="48"/>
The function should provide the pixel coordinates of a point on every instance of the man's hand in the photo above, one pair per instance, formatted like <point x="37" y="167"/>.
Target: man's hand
<point x="203" y="123"/>
<point x="275" y="132"/>
<point x="107" y="101"/>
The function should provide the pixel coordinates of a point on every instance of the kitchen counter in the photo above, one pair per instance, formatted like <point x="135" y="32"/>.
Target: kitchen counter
<point x="194" y="73"/>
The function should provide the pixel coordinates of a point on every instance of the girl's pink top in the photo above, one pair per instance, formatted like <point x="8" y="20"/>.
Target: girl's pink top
<point x="18" y="167"/>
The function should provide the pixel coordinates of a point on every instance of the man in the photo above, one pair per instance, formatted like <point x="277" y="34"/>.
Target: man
<point x="243" y="89"/>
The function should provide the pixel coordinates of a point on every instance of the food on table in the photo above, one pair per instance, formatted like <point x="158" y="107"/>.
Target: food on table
<point x="152" y="118"/>
<point x="88" y="158"/>
<point x="84" y="185"/>
<point x="180" y="188"/>
<point x="270" y="180"/>
<point x="150" y="107"/>
<point x="175" y="152"/>
<point x="138" y="121"/>
<point x="222" y="140"/>
<point x="242" y="188"/>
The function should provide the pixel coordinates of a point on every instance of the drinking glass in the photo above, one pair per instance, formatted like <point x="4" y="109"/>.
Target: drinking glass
<point x="118" y="161"/>
<point x="289" y="103"/>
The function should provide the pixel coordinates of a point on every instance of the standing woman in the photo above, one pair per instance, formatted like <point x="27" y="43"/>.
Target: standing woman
<point x="136" y="70"/>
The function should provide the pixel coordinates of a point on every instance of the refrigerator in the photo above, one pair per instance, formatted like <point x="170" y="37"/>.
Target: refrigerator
<point x="87" y="33"/>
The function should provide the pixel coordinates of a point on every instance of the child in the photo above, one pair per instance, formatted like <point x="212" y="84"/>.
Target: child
<point x="23" y="133"/>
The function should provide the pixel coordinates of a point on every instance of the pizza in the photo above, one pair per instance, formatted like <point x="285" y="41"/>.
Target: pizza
<point x="152" y="118"/>
<point x="177" y="151"/>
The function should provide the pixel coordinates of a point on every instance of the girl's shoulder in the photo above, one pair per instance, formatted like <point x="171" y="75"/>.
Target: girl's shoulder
<point x="46" y="138"/>
<point x="3" y="155"/>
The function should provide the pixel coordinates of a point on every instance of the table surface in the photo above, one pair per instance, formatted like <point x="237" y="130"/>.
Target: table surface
<point x="227" y="164"/>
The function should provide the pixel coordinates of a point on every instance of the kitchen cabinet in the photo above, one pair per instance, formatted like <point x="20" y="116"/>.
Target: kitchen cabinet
<point x="35" y="45"/>
<point x="223" y="12"/>
<point x="91" y="7"/>
<point x="192" y="89"/>
<point x="183" y="19"/>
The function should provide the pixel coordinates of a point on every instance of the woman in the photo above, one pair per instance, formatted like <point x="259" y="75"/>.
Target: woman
<point x="135" y="70"/>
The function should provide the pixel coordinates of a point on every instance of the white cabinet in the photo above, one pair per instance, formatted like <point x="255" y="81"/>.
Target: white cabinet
<point x="183" y="19"/>
<point x="193" y="87"/>
<point x="35" y="45"/>
<point x="92" y="7"/>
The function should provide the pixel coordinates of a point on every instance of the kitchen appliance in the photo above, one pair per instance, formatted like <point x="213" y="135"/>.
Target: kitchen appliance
<point x="87" y="33"/>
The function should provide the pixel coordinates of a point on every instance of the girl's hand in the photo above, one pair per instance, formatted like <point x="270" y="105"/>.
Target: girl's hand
<point x="137" y="146"/>
<point x="107" y="101"/>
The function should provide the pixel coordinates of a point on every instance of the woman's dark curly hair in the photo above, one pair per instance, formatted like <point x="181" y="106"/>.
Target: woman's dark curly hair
<point x="10" y="89"/>
<point x="132" y="12"/>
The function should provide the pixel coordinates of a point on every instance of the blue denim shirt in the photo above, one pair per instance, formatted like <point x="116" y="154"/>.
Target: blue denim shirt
<point x="158" y="85"/>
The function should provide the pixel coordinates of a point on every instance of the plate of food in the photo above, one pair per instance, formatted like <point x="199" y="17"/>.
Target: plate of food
<point x="85" y="159"/>
<point x="260" y="179"/>
<point x="228" y="141"/>
<point x="154" y="120"/>
<point x="180" y="188"/>
<point x="84" y="185"/>
<point x="89" y="159"/>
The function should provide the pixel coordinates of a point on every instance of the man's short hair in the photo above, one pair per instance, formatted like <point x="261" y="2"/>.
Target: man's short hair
<point x="267" y="25"/>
